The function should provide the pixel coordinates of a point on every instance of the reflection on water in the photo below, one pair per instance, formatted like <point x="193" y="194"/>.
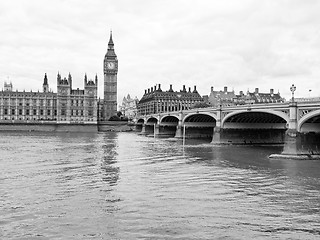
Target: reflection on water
<point x="125" y="186"/>
<point x="108" y="164"/>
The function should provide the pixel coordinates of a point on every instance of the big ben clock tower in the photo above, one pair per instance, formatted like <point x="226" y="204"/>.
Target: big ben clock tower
<point x="110" y="67"/>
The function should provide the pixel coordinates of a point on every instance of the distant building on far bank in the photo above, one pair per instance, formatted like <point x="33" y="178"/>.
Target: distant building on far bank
<point x="226" y="98"/>
<point x="128" y="107"/>
<point x="223" y="98"/>
<point x="155" y="100"/>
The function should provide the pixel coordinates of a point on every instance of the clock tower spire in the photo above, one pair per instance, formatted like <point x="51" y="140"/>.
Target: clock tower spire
<point x="110" y="66"/>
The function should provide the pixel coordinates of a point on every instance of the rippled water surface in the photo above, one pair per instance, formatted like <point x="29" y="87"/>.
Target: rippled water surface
<point x="125" y="186"/>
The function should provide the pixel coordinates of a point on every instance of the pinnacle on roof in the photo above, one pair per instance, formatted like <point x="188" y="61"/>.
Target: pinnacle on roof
<point x="58" y="76"/>
<point x="110" y="40"/>
<point x="45" y="80"/>
<point x="110" y="53"/>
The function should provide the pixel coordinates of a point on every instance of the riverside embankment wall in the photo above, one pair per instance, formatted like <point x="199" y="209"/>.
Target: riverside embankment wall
<point x="105" y="126"/>
<point x="48" y="127"/>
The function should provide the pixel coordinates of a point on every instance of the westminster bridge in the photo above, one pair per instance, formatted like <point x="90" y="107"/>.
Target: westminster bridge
<point x="297" y="124"/>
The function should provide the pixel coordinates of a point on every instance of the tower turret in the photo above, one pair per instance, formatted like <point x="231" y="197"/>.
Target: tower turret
<point x="70" y="80"/>
<point x="85" y="79"/>
<point x="8" y="86"/>
<point x="58" y="78"/>
<point x="110" y="81"/>
<point x="45" y="86"/>
<point x="110" y="53"/>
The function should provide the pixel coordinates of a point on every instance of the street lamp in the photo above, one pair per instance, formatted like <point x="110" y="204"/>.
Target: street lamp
<point x="292" y="89"/>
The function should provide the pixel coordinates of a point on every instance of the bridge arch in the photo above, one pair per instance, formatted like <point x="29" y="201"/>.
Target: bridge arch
<point x="199" y="125"/>
<point x="256" y="119"/>
<point x="169" y="119"/>
<point x="152" y="120"/>
<point x="199" y="117"/>
<point x="310" y="122"/>
<point x="140" y="121"/>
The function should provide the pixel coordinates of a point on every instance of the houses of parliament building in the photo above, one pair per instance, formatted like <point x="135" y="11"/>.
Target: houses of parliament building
<point x="67" y="105"/>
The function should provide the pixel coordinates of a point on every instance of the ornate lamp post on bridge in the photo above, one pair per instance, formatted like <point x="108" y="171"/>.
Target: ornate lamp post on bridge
<point x="292" y="126"/>
<point x="292" y="89"/>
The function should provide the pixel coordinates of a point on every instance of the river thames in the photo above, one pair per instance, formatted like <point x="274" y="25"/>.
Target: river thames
<point x="126" y="186"/>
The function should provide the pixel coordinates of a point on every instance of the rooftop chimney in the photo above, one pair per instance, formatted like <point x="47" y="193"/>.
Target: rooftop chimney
<point x="271" y="91"/>
<point x="189" y="89"/>
<point x="170" y="90"/>
<point x="152" y="89"/>
<point x="195" y="89"/>
<point x="211" y="89"/>
<point x="256" y="90"/>
<point x="148" y="90"/>
<point x="225" y="89"/>
<point x="159" y="87"/>
<point x="184" y="88"/>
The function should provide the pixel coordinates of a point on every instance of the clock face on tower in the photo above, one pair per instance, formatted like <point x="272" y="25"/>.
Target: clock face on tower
<point x="110" y="65"/>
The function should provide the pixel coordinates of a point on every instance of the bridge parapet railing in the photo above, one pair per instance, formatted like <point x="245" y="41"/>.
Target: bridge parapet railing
<point x="224" y="108"/>
<point x="313" y="100"/>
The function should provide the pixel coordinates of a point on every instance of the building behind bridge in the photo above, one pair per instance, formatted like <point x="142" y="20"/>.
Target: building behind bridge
<point x="229" y="98"/>
<point x="155" y="100"/>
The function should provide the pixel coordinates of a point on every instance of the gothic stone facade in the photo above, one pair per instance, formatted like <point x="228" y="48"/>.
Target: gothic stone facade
<point x="66" y="106"/>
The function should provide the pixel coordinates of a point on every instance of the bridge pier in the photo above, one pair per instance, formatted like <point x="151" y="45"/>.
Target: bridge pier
<point x="291" y="140"/>
<point x="291" y="144"/>
<point x="216" y="137"/>
<point x="146" y="129"/>
<point x="179" y="131"/>
<point x="156" y="129"/>
<point x="143" y="129"/>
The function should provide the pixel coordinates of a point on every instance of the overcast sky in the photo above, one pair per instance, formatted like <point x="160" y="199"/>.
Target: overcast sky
<point x="241" y="44"/>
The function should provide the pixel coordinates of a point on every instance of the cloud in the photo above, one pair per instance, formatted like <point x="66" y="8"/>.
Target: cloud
<point x="240" y="44"/>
